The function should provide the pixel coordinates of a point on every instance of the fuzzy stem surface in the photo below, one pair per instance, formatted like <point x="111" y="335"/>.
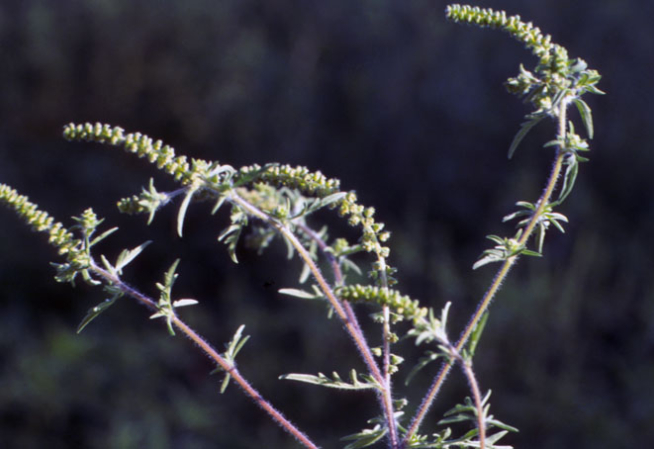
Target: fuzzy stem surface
<point x="497" y="280"/>
<point x="351" y="326"/>
<point x="210" y="352"/>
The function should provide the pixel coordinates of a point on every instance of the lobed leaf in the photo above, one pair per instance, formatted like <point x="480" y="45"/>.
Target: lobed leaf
<point x="336" y="382"/>
<point x="365" y="438"/>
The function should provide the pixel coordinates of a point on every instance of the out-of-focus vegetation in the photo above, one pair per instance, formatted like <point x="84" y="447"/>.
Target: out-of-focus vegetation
<point x="402" y="106"/>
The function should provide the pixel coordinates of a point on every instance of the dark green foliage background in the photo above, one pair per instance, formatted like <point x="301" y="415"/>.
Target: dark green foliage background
<point x="403" y="107"/>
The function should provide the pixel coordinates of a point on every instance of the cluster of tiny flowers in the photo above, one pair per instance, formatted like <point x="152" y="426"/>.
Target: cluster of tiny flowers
<point x="136" y="204"/>
<point x="59" y="237"/>
<point x="198" y="171"/>
<point x="554" y="68"/>
<point x="95" y="133"/>
<point x="541" y="45"/>
<point x="264" y="197"/>
<point x="301" y="178"/>
<point x="373" y="235"/>
<point x="400" y="304"/>
<point x="88" y="221"/>
<point x="143" y="146"/>
<point x="315" y="183"/>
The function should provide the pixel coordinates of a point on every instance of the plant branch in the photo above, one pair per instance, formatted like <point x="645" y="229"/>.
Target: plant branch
<point x="338" y="279"/>
<point x="499" y="277"/>
<point x="351" y="326"/>
<point x="210" y="352"/>
<point x="466" y="366"/>
<point x="336" y="269"/>
<point x="317" y="274"/>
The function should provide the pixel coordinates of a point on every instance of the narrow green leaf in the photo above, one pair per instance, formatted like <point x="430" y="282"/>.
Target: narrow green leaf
<point x="103" y="236"/>
<point x="586" y="116"/>
<point x="365" y="439"/>
<point x="219" y="203"/>
<point x="170" y="276"/>
<point x="290" y="249"/>
<point x="476" y="334"/>
<point x="127" y="256"/>
<point x="520" y="213"/>
<point x="524" y="129"/>
<point x="485" y="261"/>
<point x="492" y="439"/>
<point x="231" y="236"/>
<point x="528" y="252"/>
<point x="334" y="197"/>
<point x="110" y="268"/>
<point x="496" y="238"/>
<point x="297" y="293"/>
<point x="540" y="239"/>
<point x="236" y="343"/>
<point x="501" y="425"/>
<point x="554" y="143"/>
<point x="233" y="348"/>
<point x="569" y="179"/>
<point x="169" y="324"/>
<point x="94" y="312"/>
<point x="239" y="346"/>
<point x="184" y="302"/>
<point x="349" y="265"/>
<point x="182" y="209"/>
<point x="594" y="90"/>
<point x="558" y="225"/>
<point x="225" y="383"/>
<point x="304" y="275"/>
<point x="455" y="418"/>
<point x="424" y="361"/>
<point x="336" y="382"/>
<point x="526" y="204"/>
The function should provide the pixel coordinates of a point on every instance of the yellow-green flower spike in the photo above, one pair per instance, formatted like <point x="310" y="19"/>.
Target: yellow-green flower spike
<point x="541" y="45"/>
<point x="40" y="221"/>
<point x="401" y="304"/>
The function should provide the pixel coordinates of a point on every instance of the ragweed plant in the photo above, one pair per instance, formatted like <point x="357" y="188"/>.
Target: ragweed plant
<point x="277" y="201"/>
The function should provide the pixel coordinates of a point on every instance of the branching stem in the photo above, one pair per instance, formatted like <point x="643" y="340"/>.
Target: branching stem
<point x="499" y="277"/>
<point x="351" y="326"/>
<point x="338" y="278"/>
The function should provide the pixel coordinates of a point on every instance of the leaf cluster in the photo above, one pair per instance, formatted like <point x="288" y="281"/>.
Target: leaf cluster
<point x="166" y="306"/>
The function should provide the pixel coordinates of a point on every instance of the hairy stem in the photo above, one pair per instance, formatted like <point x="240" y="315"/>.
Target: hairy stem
<point x="322" y="245"/>
<point x="499" y="277"/>
<point x="466" y="366"/>
<point x="336" y="269"/>
<point x="351" y="326"/>
<point x="338" y="278"/>
<point x="210" y="352"/>
<point x="386" y="348"/>
<point x="318" y="276"/>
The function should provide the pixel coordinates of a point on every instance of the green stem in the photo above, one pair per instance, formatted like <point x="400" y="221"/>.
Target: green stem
<point x="499" y="278"/>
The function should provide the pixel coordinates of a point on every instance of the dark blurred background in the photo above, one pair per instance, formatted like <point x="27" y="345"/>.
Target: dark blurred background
<point x="402" y="106"/>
